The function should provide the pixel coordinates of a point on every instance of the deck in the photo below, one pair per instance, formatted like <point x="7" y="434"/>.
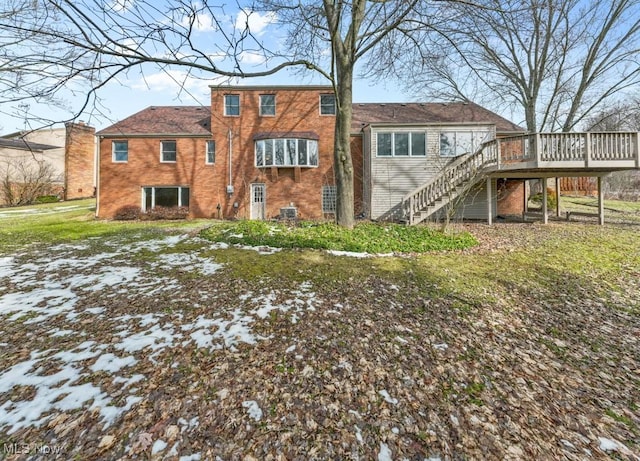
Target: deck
<point x="536" y="155"/>
<point x="566" y="154"/>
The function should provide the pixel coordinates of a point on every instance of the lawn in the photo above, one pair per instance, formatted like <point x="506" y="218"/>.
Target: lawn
<point x="182" y="341"/>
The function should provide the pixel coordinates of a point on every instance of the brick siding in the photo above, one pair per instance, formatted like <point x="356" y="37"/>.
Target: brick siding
<point x="79" y="161"/>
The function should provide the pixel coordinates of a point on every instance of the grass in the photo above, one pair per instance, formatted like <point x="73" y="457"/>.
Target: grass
<point x="365" y="237"/>
<point x="66" y="222"/>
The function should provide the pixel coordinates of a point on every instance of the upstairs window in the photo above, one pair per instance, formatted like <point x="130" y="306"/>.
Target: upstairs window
<point x="210" y="153"/>
<point x="287" y="152"/>
<point x="120" y="151"/>
<point x="267" y="104"/>
<point x="327" y="104"/>
<point x="456" y="143"/>
<point x="168" y="151"/>
<point x="232" y="105"/>
<point x="402" y="144"/>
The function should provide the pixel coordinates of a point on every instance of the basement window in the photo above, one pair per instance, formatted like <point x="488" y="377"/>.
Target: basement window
<point x="165" y="196"/>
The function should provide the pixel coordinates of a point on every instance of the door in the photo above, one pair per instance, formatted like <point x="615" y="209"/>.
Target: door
<point x="258" y="201"/>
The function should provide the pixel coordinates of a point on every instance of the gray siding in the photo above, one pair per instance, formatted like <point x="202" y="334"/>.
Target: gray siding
<point x="391" y="178"/>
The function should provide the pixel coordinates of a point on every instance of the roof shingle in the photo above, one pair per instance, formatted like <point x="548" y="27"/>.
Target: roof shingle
<point x="164" y="120"/>
<point x="428" y="113"/>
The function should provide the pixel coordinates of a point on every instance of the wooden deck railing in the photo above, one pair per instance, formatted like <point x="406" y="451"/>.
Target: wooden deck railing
<point x="537" y="151"/>
<point x="570" y="150"/>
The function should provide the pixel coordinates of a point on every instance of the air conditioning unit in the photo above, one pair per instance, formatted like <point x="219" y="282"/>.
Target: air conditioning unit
<point x="289" y="212"/>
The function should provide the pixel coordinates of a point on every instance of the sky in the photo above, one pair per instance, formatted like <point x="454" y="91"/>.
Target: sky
<point x="144" y="87"/>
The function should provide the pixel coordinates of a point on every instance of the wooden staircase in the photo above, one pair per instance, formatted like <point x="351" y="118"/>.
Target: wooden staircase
<point x="452" y="183"/>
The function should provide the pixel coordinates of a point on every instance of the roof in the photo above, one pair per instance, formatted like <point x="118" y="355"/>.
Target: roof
<point x="427" y="113"/>
<point x="25" y="145"/>
<point x="164" y="121"/>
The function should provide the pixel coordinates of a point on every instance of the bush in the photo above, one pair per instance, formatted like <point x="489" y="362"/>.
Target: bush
<point x="127" y="213"/>
<point x="552" y="198"/>
<point x="161" y="212"/>
<point x="47" y="199"/>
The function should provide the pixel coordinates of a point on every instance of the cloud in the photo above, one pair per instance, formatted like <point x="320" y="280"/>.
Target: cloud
<point x="257" y="22"/>
<point x="252" y="58"/>
<point x="202" y="22"/>
<point x="173" y="81"/>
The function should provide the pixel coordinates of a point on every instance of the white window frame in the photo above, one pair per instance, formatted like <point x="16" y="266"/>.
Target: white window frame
<point x="329" y="199"/>
<point x="263" y="105"/>
<point x="162" y="151"/>
<point x="114" y="151"/>
<point x="272" y="146"/>
<point x="143" y="206"/>
<point x="409" y="153"/>
<point x="228" y="105"/>
<point x="476" y="139"/>
<point x="333" y="106"/>
<point x="208" y="151"/>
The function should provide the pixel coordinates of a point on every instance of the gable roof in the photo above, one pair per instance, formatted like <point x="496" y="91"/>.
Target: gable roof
<point x="427" y="113"/>
<point x="22" y="144"/>
<point x="164" y="121"/>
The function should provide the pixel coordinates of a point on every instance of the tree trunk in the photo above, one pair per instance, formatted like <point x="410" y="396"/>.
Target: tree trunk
<point x="343" y="164"/>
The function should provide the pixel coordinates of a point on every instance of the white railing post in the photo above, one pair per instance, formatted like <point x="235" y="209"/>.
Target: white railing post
<point x="536" y="145"/>
<point x="587" y="149"/>
<point x="411" y="211"/>
<point x="638" y="149"/>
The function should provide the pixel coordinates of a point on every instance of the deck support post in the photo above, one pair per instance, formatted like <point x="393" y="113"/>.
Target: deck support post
<point x="600" y="202"/>
<point x="545" y="218"/>
<point x="525" y="200"/>
<point x="489" y="205"/>
<point x="557" y="197"/>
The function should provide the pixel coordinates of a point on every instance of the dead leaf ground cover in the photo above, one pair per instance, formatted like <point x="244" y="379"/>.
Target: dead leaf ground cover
<point x="155" y="343"/>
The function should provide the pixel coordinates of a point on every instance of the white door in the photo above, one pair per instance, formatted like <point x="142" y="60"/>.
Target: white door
<point x="258" y="201"/>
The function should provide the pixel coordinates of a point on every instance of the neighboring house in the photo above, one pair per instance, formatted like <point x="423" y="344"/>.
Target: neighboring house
<point x="262" y="152"/>
<point x="68" y="151"/>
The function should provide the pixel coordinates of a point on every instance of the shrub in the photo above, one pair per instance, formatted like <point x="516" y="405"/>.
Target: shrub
<point x="552" y="198"/>
<point x="47" y="199"/>
<point x="161" y="212"/>
<point x="127" y="213"/>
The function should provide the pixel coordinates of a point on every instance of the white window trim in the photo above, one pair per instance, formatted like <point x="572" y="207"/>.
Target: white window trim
<point x="162" y="151"/>
<point x="113" y="151"/>
<point x="225" y="105"/>
<point x="206" y="152"/>
<point x="143" y="205"/>
<point x="474" y="140"/>
<point x="296" y="165"/>
<point x="393" y="144"/>
<point x="275" y="106"/>
<point x="335" y="105"/>
<point x="335" y="198"/>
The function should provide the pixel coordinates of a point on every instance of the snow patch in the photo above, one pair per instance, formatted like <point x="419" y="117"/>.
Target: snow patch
<point x="253" y="410"/>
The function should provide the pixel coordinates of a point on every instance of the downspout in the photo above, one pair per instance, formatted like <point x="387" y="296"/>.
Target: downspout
<point x="230" y="157"/>
<point x="97" y="175"/>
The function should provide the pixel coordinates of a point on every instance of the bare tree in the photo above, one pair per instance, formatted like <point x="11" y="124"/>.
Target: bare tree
<point x="88" y="43"/>
<point x="23" y="180"/>
<point x="553" y="61"/>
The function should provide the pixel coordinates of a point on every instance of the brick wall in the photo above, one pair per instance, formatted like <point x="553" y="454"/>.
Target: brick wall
<point x="79" y="161"/>
<point x="121" y="183"/>
<point x="510" y="197"/>
<point x="297" y="110"/>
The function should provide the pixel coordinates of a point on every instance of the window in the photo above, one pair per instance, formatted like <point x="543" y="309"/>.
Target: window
<point x="267" y="104"/>
<point x="327" y="104"/>
<point x="168" y="151"/>
<point x="402" y="144"/>
<point x="120" y="151"/>
<point x="329" y="194"/>
<point x="210" y="154"/>
<point x="455" y="143"/>
<point x="165" y="196"/>
<point x="232" y="105"/>
<point x="287" y="152"/>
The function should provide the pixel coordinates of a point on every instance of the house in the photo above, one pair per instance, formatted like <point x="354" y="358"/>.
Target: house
<point x="67" y="152"/>
<point x="262" y="152"/>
